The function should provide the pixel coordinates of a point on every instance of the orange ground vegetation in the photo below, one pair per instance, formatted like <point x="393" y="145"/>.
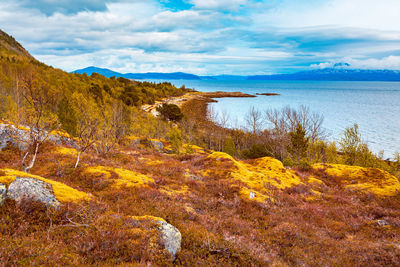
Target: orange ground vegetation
<point x="331" y="215"/>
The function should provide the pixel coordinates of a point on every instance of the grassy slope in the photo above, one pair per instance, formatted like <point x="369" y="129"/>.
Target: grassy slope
<point x="314" y="221"/>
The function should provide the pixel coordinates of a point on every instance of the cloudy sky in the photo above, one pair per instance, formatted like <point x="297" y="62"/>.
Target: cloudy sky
<point x="207" y="36"/>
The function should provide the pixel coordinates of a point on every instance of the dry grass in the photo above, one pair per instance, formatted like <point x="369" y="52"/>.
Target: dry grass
<point x="312" y="220"/>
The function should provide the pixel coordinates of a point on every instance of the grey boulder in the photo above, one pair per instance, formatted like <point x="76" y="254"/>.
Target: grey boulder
<point x="170" y="237"/>
<point x="29" y="188"/>
<point x="9" y="134"/>
<point x="157" y="145"/>
<point x="3" y="193"/>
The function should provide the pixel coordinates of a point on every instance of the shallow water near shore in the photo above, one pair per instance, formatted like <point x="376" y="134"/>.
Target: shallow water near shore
<point x="375" y="106"/>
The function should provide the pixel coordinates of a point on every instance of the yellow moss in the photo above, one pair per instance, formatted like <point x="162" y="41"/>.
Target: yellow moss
<point x="7" y="179"/>
<point x="60" y="133"/>
<point x="66" y="151"/>
<point x="62" y="192"/>
<point x="125" y="177"/>
<point x="315" y="181"/>
<point x="260" y="176"/>
<point x="21" y="127"/>
<point x="150" y="162"/>
<point x="147" y="218"/>
<point x="173" y="192"/>
<point x="371" y="180"/>
<point x="316" y="195"/>
<point x="248" y="194"/>
<point x="195" y="149"/>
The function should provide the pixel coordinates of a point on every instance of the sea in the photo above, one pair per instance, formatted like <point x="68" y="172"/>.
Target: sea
<point x="374" y="106"/>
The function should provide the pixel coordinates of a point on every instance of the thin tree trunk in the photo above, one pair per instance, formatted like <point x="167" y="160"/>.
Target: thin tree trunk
<point x="30" y="166"/>
<point x="78" y="158"/>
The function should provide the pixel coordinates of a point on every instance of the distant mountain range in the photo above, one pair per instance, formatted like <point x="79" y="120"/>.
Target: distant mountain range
<point x="139" y="76"/>
<point x="328" y="74"/>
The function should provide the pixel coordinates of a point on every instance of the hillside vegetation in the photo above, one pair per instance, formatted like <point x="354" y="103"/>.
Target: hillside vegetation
<point x="87" y="178"/>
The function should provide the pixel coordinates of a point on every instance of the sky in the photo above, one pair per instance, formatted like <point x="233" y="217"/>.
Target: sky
<point x="207" y="37"/>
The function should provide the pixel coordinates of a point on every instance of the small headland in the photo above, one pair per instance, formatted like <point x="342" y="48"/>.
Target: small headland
<point x="199" y="100"/>
<point x="268" y="94"/>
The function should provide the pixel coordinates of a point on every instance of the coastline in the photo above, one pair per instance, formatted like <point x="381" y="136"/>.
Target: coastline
<point x="199" y="99"/>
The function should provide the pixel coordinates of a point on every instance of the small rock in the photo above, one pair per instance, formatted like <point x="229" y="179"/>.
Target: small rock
<point x="157" y="145"/>
<point x="33" y="189"/>
<point x="171" y="238"/>
<point x="382" y="222"/>
<point x="193" y="177"/>
<point x="3" y="192"/>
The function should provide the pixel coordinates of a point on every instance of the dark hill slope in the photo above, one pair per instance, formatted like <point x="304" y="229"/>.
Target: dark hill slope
<point x="139" y="76"/>
<point x="62" y="90"/>
<point x="10" y="46"/>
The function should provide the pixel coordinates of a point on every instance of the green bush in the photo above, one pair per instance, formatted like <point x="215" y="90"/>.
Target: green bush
<point x="170" y="112"/>
<point x="304" y="165"/>
<point x="288" y="162"/>
<point x="255" y="151"/>
<point x="176" y="139"/>
<point x="229" y="146"/>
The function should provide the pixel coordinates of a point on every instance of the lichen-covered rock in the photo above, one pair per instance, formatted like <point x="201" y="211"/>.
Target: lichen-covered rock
<point x="3" y="192"/>
<point x="9" y="134"/>
<point x="157" y="144"/>
<point x="29" y="188"/>
<point x="170" y="237"/>
<point x="19" y="137"/>
<point x="61" y="191"/>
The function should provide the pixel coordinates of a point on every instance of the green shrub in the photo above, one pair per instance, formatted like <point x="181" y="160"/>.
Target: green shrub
<point x="170" y="112"/>
<point x="229" y="146"/>
<point x="288" y="162"/>
<point x="304" y="165"/>
<point x="255" y="151"/>
<point x="175" y="137"/>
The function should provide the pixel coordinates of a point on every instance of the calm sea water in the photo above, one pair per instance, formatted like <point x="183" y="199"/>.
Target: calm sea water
<point x="375" y="106"/>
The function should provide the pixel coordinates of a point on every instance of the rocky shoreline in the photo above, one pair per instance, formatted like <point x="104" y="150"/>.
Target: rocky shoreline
<point x="205" y="97"/>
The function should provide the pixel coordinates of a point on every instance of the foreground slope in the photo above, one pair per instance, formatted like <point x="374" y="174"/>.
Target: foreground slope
<point x="227" y="212"/>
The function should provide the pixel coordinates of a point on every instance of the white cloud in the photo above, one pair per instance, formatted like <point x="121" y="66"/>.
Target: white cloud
<point x="390" y="62"/>
<point x="232" y="5"/>
<point x="213" y="37"/>
<point x="370" y="14"/>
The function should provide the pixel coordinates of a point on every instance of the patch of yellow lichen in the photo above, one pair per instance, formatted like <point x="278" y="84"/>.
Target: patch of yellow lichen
<point x="147" y="218"/>
<point x="195" y="149"/>
<point x="155" y="162"/>
<point x="174" y="191"/>
<point x="10" y="123"/>
<point x="314" y="181"/>
<point x="371" y="180"/>
<point x="66" y="151"/>
<point x="316" y="195"/>
<point x="61" y="191"/>
<point x="247" y="194"/>
<point x="262" y="175"/>
<point x="60" y="133"/>
<point x="6" y="179"/>
<point x="124" y="177"/>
